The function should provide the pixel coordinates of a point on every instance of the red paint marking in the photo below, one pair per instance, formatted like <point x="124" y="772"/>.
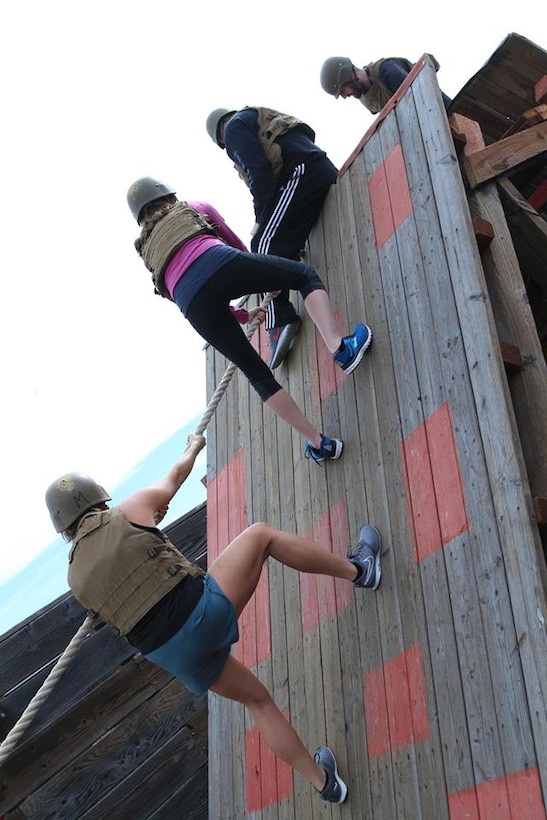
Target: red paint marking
<point x="516" y="796"/>
<point x="225" y="521"/>
<point x="390" y="198"/>
<point x="321" y="596"/>
<point x="227" y="492"/>
<point x="395" y="707"/>
<point x="434" y="490"/>
<point x="269" y="779"/>
<point x="420" y="494"/>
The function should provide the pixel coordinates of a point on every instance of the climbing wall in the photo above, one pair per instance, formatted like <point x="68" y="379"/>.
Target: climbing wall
<point x="431" y="691"/>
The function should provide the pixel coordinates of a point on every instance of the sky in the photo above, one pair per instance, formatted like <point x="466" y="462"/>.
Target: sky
<point x="98" y="373"/>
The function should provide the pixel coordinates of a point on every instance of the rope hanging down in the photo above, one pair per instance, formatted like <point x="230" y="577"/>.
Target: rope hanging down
<point x="12" y="738"/>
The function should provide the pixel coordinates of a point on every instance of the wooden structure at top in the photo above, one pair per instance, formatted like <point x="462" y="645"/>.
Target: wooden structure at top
<point x="432" y="690"/>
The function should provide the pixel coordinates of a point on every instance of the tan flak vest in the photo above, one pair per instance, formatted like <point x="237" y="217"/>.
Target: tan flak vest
<point x="271" y="125"/>
<point x="119" y="571"/>
<point x="179" y="225"/>
<point x="378" y="95"/>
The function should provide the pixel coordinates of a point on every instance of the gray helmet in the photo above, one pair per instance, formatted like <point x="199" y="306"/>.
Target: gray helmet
<point x="71" y="496"/>
<point x="144" y="191"/>
<point x="215" y="119"/>
<point x="336" y="71"/>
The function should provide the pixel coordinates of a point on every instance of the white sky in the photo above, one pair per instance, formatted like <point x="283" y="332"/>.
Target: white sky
<point x="96" y="370"/>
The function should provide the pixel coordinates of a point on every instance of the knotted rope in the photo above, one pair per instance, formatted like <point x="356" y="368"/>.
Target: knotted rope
<point x="12" y="738"/>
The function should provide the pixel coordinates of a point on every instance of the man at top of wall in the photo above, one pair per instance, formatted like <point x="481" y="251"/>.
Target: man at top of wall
<point x="289" y="177"/>
<point x="373" y="85"/>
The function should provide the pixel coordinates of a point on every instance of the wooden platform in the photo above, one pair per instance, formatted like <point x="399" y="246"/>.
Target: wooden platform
<point x="432" y="690"/>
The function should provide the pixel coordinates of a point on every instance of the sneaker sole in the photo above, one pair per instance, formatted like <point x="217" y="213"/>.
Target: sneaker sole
<point x="284" y="344"/>
<point x="377" y="572"/>
<point x="360" y="355"/>
<point x="343" y="787"/>
<point x="377" y="564"/>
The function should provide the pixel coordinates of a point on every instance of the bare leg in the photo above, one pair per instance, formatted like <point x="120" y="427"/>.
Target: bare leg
<point x="287" y="409"/>
<point x="237" y="569"/>
<point x="236" y="682"/>
<point x="319" y="307"/>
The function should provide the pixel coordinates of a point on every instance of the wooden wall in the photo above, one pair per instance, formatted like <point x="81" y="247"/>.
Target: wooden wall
<point x="117" y="737"/>
<point x="431" y="691"/>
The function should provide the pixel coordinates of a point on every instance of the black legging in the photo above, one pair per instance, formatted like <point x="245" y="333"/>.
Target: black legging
<point x="209" y="310"/>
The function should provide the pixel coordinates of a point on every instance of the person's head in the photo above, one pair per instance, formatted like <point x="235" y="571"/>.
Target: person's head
<point x="341" y="78"/>
<point x="71" y="496"/>
<point x="146" y="195"/>
<point x="216" y="123"/>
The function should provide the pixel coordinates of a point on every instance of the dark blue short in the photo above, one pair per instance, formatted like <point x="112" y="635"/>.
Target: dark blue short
<point x="196" y="654"/>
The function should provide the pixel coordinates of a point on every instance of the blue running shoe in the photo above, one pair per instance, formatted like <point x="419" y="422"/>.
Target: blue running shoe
<point x="366" y="557"/>
<point x="331" y="448"/>
<point x="335" y="790"/>
<point x="354" y="348"/>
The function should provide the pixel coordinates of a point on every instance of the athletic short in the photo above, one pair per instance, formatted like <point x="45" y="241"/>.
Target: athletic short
<point x="196" y="654"/>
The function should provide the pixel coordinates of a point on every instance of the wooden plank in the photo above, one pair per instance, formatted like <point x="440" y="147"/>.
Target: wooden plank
<point x="502" y="459"/>
<point x="189" y="802"/>
<point x="399" y="269"/>
<point x="330" y="526"/>
<point x="42" y="754"/>
<point x="363" y="289"/>
<point x="515" y="325"/>
<point x="37" y="640"/>
<point x="147" y="788"/>
<point x="505" y="154"/>
<point x="528" y="230"/>
<point x="118" y="752"/>
<point x="295" y="516"/>
<point x="85" y="671"/>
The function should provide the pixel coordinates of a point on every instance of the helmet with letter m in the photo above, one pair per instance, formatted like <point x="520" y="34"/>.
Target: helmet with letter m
<point x="70" y="496"/>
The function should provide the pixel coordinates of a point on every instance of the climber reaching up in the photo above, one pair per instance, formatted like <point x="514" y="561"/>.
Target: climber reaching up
<point x="197" y="262"/>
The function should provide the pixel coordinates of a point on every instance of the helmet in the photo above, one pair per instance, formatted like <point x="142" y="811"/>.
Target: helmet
<point x="144" y="191"/>
<point x="214" y="119"/>
<point x="335" y="72"/>
<point x="71" y="496"/>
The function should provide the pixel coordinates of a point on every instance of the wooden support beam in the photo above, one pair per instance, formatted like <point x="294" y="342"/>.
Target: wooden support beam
<point x="466" y="133"/>
<point x="504" y="155"/>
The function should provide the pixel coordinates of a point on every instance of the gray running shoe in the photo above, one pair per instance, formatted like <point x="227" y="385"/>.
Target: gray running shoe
<point x="335" y="790"/>
<point x="366" y="557"/>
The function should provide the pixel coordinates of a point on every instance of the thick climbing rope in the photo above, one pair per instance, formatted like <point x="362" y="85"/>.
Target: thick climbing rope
<point x="12" y="738"/>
